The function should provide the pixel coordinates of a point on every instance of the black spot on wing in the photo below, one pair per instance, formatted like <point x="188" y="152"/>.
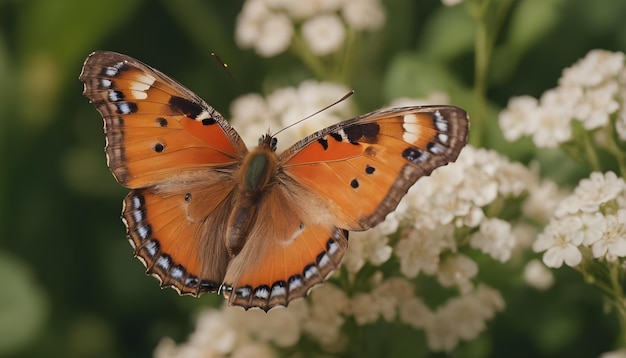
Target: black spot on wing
<point x="414" y="155"/>
<point x="323" y="142"/>
<point x="162" y="122"/>
<point x="367" y="133"/>
<point x="188" y="108"/>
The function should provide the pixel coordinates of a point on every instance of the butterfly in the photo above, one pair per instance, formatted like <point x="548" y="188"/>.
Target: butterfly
<point x="206" y="214"/>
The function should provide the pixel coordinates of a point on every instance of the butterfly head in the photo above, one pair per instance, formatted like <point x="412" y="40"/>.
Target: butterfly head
<point x="268" y="141"/>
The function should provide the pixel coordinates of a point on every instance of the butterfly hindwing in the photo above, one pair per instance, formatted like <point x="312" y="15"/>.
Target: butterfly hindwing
<point x="364" y="166"/>
<point x="153" y="124"/>
<point x="282" y="261"/>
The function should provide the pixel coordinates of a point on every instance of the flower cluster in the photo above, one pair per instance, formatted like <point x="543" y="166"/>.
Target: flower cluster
<point x="254" y="115"/>
<point x="270" y="26"/>
<point x="590" y="94"/>
<point x="590" y="221"/>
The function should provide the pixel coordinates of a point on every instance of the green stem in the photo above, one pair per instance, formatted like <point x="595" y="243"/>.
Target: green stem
<point x="613" y="148"/>
<point x="590" y="151"/>
<point x="486" y="34"/>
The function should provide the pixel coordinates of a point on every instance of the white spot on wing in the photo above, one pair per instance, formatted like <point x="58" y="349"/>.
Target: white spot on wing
<point x="204" y="115"/>
<point x="440" y="123"/>
<point x="142" y="231"/>
<point x="411" y="128"/>
<point x="151" y="247"/>
<point x="124" y="108"/>
<point x="138" y="94"/>
<point x="311" y="272"/>
<point x="163" y="262"/>
<point x="278" y="290"/>
<point x="295" y="284"/>
<point x="325" y="260"/>
<point x="262" y="293"/>
<point x="177" y="273"/>
<point x="333" y="247"/>
<point x="437" y="148"/>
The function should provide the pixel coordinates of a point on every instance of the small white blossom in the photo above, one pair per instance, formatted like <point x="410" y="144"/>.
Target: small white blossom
<point x="457" y="270"/>
<point x="612" y="244"/>
<point x="537" y="275"/>
<point x="620" y="353"/>
<point x="495" y="239"/>
<point x="462" y="318"/>
<point x="324" y="34"/>
<point x="596" y="67"/>
<point x="258" y="27"/>
<point x="364" y="14"/>
<point x="366" y="246"/>
<point x="419" y="249"/>
<point x="414" y="312"/>
<point x="560" y="240"/>
<point x="519" y="117"/>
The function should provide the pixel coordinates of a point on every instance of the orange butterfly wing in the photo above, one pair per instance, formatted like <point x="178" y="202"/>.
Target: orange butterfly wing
<point x="346" y="177"/>
<point x="153" y="124"/>
<point x="179" y="154"/>
<point x="364" y="166"/>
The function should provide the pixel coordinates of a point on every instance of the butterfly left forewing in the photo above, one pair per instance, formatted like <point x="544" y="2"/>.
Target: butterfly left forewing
<point x="364" y="166"/>
<point x="154" y="126"/>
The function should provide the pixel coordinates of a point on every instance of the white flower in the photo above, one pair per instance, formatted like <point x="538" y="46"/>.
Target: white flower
<point x="593" y="69"/>
<point x="597" y="104"/>
<point x="269" y="33"/>
<point x="328" y="303"/>
<point x="451" y="2"/>
<point x="537" y="275"/>
<point x="560" y="240"/>
<point x="593" y="192"/>
<point x="462" y="318"/>
<point x="419" y="249"/>
<point x="519" y="117"/>
<point x="620" y="353"/>
<point x="613" y="242"/>
<point x="457" y="270"/>
<point x="324" y="34"/>
<point x="250" y="117"/>
<point x="364" y="14"/>
<point x="253" y="116"/>
<point x="299" y="10"/>
<point x="366" y="246"/>
<point x="414" y="312"/>
<point x="362" y="308"/>
<point x="254" y="350"/>
<point x="594" y="225"/>
<point x="495" y="239"/>
<point x="555" y="127"/>
<point x="542" y="201"/>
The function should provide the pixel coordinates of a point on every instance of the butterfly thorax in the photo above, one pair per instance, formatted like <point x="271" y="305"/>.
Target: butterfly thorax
<point x="254" y="177"/>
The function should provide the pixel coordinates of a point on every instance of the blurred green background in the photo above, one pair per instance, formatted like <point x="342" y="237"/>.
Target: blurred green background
<point x="69" y="286"/>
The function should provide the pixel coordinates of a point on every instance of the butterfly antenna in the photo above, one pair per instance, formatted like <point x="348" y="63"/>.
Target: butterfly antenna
<point x="224" y="65"/>
<point x="346" y="96"/>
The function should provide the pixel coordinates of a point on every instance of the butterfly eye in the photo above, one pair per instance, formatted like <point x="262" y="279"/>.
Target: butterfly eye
<point x="273" y="144"/>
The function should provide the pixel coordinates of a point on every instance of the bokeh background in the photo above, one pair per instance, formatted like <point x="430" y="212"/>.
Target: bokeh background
<point x="69" y="286"/>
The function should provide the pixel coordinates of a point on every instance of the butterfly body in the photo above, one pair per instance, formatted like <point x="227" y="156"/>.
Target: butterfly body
<point x="205" y="214"/>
